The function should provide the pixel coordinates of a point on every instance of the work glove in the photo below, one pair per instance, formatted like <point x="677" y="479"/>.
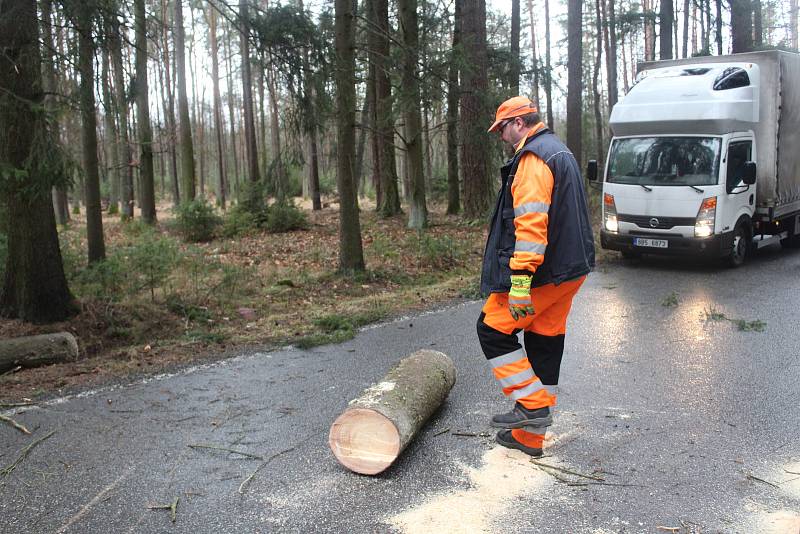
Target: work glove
<point x="519" y="298"/>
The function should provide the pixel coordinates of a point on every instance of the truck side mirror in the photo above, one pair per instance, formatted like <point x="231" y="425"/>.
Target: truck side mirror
<point x="749" y="177"/>
<point x="591" y="170"/>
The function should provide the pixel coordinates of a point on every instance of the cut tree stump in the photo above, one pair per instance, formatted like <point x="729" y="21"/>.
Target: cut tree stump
<point x="33" y="351"/>
<point x="378" y="425"/>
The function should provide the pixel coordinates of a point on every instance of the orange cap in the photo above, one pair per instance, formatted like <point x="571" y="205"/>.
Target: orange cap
<point x="513" y="107"/>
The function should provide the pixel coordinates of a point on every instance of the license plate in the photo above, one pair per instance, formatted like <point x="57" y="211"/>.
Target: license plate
<point x="646" y="242"/>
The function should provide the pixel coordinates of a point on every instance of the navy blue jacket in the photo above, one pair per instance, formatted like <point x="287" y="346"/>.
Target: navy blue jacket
<point x="570" y="244"/>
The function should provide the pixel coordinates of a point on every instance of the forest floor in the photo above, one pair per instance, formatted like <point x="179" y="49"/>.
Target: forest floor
<point x="257" y="291"/>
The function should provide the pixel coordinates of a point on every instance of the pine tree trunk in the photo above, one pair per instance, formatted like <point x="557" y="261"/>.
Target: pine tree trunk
<point x="741" y="26"/>
<point x="351" y="255"/>
<point x="277" y="152"/>
<point x="232" y="115"/>
<point x="35" y="288"/>
<point x="247" y="94"/>
<point x="124" y="147"/>
<point x="548" y="83"/>
<point x="474" y="111"/>
<point x="758" y="24"/>
<point x="390" y="204"/>
<point x="453" y="192"/>
<point x="147" y="177"/>
<point x="534" y="57"/>
<point x="598" y="117"/>
<point x="212" y="29"/>
<point x="685" y="28"/>
<point x="666" y="17"/>
<point x="311" y="131"/>
<point x="718" y="4"/>
<point x="170" y="109"/>
<point x="793" y="30"/>
<point x="418" y="216"/>
<point x="187" y="149"/>
<point x="513" y="71"/>
<point x="94" y="215"/>
<point x="610" y="35"/>
<point x="574" y="79"/>
<point x="112" y="136"/>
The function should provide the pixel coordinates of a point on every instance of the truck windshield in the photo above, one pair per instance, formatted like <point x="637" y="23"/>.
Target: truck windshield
<point x="678" y="161"/>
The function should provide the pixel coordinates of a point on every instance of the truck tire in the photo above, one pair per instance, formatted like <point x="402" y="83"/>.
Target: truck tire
<point x="742" y="244"/>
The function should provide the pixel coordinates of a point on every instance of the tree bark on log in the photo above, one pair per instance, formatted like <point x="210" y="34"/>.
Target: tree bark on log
<point x="34" y="351"/>
<point x="377" y="426"/>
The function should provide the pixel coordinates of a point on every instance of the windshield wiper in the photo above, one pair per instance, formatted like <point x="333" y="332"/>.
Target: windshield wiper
<point x="646" y="188"/>
<point x="697" y="188"/>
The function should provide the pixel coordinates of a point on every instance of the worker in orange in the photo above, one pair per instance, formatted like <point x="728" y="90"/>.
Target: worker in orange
<point x="539" y="250"/>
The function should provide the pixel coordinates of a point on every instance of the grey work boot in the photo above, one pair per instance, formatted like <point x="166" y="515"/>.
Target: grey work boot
<point x="521" y="416"/>
<point x="505" y="439"/>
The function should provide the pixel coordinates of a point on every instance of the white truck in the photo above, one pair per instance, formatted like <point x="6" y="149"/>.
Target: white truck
<point x="705" y="158"/>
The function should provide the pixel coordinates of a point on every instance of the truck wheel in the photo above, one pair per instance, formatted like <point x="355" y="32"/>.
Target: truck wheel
<point x="742" y="242"/>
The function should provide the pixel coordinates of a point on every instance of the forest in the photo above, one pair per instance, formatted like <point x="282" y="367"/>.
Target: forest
<point x="181" y="178"/>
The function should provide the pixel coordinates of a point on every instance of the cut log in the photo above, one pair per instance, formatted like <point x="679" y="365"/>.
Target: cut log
<point x="379" y="424"/>
<point x="33" y="351"/>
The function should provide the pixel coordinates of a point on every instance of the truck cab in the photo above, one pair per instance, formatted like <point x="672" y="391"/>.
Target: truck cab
<point x="683" y="168"/>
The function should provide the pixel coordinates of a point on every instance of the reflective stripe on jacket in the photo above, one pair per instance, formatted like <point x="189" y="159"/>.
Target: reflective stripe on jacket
<point x="566" y="250"/>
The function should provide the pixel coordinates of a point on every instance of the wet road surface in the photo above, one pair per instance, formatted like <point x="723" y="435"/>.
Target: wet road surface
<point x="675" y="412"/>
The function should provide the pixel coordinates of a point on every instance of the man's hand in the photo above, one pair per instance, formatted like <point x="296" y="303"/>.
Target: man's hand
<point x="519" y="298"/>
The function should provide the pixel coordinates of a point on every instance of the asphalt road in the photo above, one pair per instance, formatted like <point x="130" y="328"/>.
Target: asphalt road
<point x="682" y="420"/>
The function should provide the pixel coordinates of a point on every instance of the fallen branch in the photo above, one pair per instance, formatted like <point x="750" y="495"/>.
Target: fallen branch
<point x="23" y="454"/>
<point x="225" y="449"/>
<point x="567" y="471"/>
<point x="13" y="423"/>
<point x="246" y="481"/>
<point x="173" y="508"/>
<point x="445" y="431"/>
<point x="472" y="434"/>
<point x="669" y="529"/>
<point x="791" y="472"/>
<point x="752" y="477"/>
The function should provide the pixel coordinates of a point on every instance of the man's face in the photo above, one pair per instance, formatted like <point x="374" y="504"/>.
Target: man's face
<point x="512" y="130"/>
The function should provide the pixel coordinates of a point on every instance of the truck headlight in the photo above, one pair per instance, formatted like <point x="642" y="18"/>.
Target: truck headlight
<point x="610" y="213"/>
<point x="704" y="224"/>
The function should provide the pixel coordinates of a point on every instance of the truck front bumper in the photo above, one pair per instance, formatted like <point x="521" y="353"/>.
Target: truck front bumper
<point x="713" y="246"/>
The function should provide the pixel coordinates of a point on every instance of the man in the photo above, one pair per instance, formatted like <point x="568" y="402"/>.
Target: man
<point x="539" y="251"/>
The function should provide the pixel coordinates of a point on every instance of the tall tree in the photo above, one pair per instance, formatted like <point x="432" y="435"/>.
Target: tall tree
<point x="146" y="173"/>
<point x="170" y="107"/>
<point x="35" y="288"/>
<point x="418" y="216"/>
<point x="212" y="31"/>
<point x="453" y="89"/>
<point x="718" y="4"/>
<point x="596" y="92"/>
<point x="187" y="149"/>
<point x="310" y="124"/>
<point x="351" y="253"/>
<point x="758" y="24"/>
<point x="474" y="111"/>
<point x="574" y="78"/>
<point x="111" y="134"/>
<point x="121" y="101"/>
<point x="534" y="57"/>
<point x="247" y="93"/>
<point x="793" y="29"/>
<point x="741" y="26"/>
<point x="390" y="196"/>
<point x="513" y="71"/>
<point x="85" y="13"/>
<point x="685" y="28"/>
<point x="548" y="74"/>
<point x="666" y="20"/>
<point x="610" y="37"/>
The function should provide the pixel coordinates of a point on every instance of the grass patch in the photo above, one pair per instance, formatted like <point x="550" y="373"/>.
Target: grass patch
<point x="743" y="325"/>
<point x="670" y="300"/>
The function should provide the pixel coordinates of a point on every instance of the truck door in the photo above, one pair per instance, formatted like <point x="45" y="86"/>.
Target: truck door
<point x="739" y="198"/>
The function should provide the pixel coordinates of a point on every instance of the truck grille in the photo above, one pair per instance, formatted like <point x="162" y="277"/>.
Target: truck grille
<point x="656" y="223"/>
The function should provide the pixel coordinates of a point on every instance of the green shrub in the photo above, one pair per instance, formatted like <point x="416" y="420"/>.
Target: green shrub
<point x="284" y="217"/>
<point x="104" y="279"/>
<point x="196" y="220"/>
<point x="190" y="312"/>
<point x="238" y="221"/>
<point x="150" y="261"/>
<point x="439" y="252"/>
